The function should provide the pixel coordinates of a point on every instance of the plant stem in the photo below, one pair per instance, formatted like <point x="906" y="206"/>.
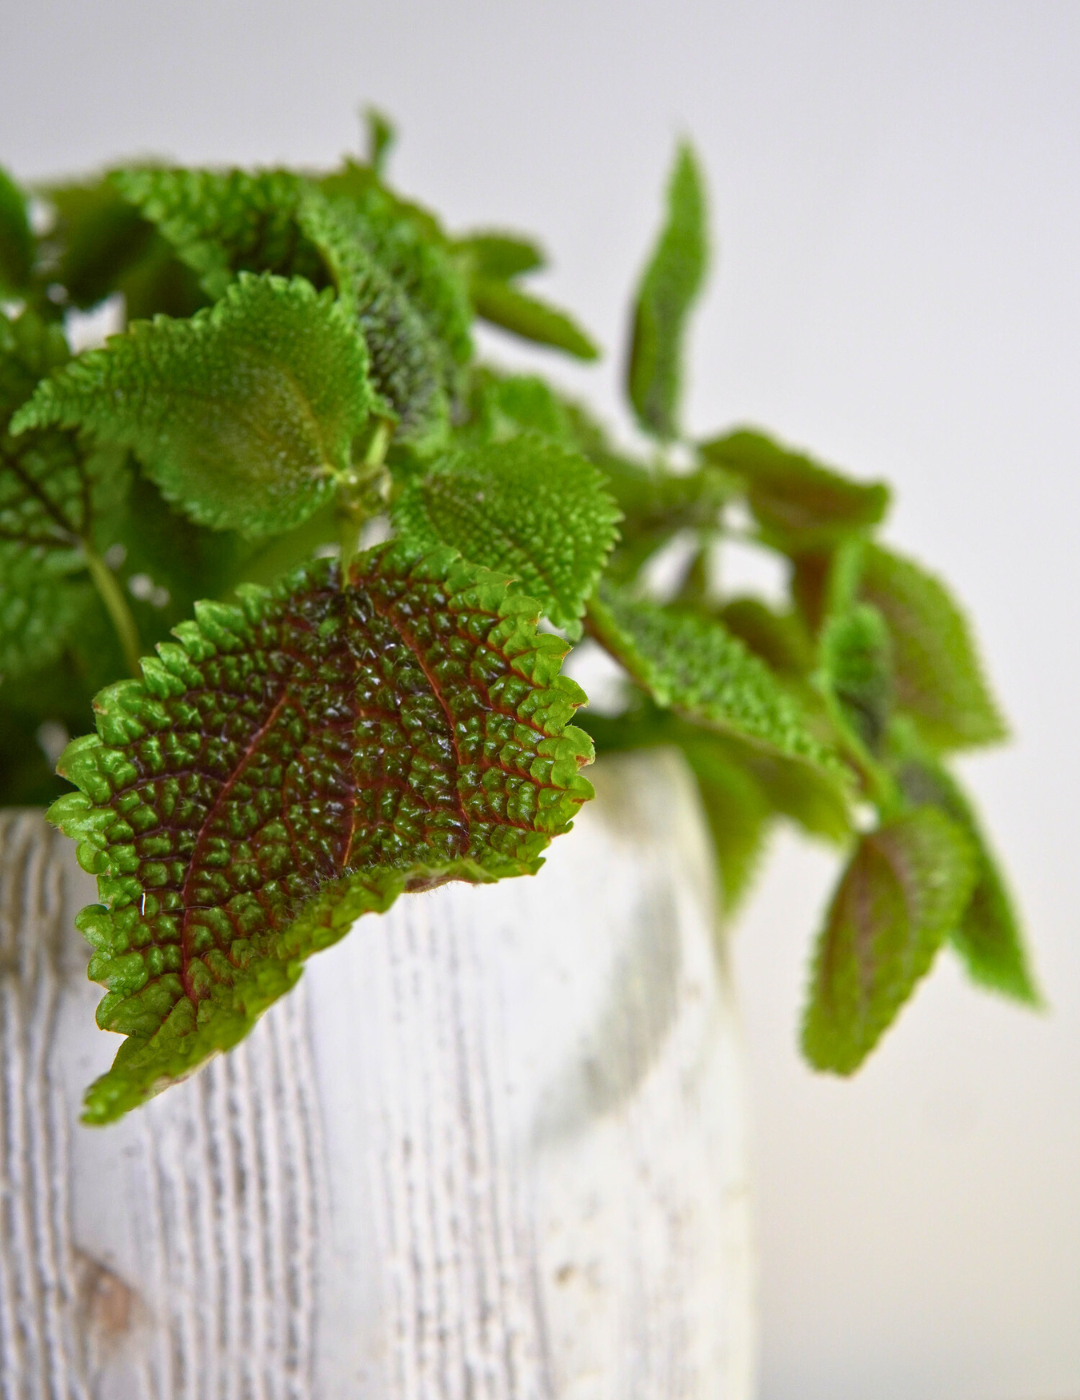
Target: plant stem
<point x="355" y="494"/>
<point x="111" y="594"/>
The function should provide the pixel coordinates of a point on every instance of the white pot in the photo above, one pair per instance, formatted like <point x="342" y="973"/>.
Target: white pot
<point x="490" y="1148"/>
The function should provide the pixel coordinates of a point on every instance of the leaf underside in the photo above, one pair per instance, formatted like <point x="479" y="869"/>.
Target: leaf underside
<point x="904" y="890"/>
<point x="526" y="508"/>
<point x="287" y="767"/>
<point x="242" y="415"/>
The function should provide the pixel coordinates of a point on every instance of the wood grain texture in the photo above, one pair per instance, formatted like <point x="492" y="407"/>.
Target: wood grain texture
<point x="491" y="1148"/>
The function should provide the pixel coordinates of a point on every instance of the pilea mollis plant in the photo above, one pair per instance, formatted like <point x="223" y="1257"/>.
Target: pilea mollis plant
<point x="299" y="574"/>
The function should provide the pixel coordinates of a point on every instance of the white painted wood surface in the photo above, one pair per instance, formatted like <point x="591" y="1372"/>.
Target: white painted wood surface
<point x="490" y="1149"/>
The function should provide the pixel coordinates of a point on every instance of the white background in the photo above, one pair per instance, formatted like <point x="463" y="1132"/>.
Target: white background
<point x="895" y="187"/>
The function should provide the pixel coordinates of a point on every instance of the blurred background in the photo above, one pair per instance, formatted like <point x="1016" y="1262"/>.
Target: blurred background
<point x="896" y="197"/>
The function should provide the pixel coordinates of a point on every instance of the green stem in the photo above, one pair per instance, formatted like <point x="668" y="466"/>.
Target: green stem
<point x="352" y="508"/>
<point x="111" y="594"/>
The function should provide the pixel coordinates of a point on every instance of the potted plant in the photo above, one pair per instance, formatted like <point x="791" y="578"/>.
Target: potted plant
<point x="289" y="578"/>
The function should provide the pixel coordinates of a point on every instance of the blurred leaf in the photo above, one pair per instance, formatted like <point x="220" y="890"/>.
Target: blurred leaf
<point x="939" y="678"/>
<point x="695" y="666"/>
<point x="502" y="256"/>
<point x="381" y="138"/>
<point x="857" y="672"/>
<point x="669" y="287"/>
<point x="798" y="504"/>
<point x="780" y="639"/>
<point x="503" y="305"/>
<point x="903" y="891"/>
<point x="988" y="936"/>
<point x="16" y="239"/>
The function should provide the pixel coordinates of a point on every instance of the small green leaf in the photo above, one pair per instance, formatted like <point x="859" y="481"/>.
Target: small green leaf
<point x="988" y="936"/>
<point x="222" y="222"/>
<point x="502" y="305"/>
<point x="694" y="665"/>
<point x="525" y="507"/>
<point x="502" y="256"/>
<point x="903" y="891"/>
<point x="56" y="494"/>
<point x="97" y="241"/>
<point x="857" y="672"/>
<point x="669" y="288"/>
<point x="244" y="415"/>
<point x="16" y="239"/>
<point x="779" y="638"/>
<point x="408" y="366"/>
<point x="939" y="678"/>
<point x="294" y="764"/>
<point x="381" y="138"/>
<point x="503" y="406"/>
<point x="800" y="505"/>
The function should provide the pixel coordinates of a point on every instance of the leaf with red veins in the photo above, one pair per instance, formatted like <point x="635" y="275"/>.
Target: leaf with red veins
<point x="292" y="764"/>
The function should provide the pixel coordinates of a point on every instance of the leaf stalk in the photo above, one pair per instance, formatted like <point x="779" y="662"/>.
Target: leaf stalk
<point x="111" y="594"/>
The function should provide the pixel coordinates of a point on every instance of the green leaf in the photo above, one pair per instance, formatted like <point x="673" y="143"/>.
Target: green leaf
<point x="503" y="406"/>
<point x="408" y="366"/>
<point x="56" y="495"/>
<point x="669" y="287"/>
<point x="222" y="222"/>
<point x="527" y="508"/>
<point x="799" y="505"/>
<point x="656" y="504"/>
<point x="738" y="813"/>
<point x="381" y="138"/>
<point x="502" y="305"/>
<point x="694" y="665"/>
<point x="987" y="936"/>
<point x="903" y="891"/>
<point x="779" y="638"/>
<point x="16" y="239"/>
<point x="97" y="241"/>
<point x="857" y="672"/>
<point x="498" y="255"/>
<point x="244" y="415"/>
<point x="288" y="767"/>
<point x="939" y="678"/>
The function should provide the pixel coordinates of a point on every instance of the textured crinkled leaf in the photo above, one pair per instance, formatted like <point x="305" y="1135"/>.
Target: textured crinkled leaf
<point x="503" y="305"/>
<point x="16" y="239"/>
<point x="939" y="678"/>
<point x="410" y="246"/>
<point x="222" y="222"/>
<point x="527" y="508"/>
<point x="695" y="665"/>
<point x="987" y="937"/>
<point x="56" y="491"/>
<point x="904" y="890"/>
<point x="291" y="765"/>
<point x="408" y="366"/>
<point x="857" y="672"/>
<point x="503" y="256"/>
<point x="669" y="287"/>
<point x="798" y="504"/>
<point x="244" y="415"/>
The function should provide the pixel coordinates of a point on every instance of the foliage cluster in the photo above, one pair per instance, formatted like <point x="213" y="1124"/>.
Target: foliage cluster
<point x="294" y="724"/>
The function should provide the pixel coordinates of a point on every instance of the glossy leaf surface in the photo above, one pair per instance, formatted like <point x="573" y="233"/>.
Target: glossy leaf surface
<point x="244" y="415"/>
<point x="670" y="286"/>
<point x="904" y="889"/>
<point x="527" y="508"/>
<point x="291" y="765"/>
